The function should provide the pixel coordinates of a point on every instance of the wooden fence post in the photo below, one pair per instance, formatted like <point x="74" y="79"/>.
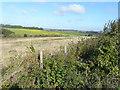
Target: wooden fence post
<point x="65" y="50"/>
<point x="40" y="58"/>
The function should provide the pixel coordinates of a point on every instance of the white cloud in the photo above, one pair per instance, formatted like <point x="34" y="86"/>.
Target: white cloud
<point x="72" y="8"/>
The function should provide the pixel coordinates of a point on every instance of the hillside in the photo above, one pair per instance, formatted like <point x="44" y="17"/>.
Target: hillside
<point x="40" y="33"/>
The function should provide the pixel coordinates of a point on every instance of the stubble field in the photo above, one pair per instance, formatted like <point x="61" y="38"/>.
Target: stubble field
<point x="12" y="47"/>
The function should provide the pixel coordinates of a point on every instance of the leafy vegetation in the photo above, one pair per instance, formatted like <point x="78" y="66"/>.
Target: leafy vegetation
<point x="94" y="32"/>
<point x="90" y="34"/>
<point x="7" y="33"/>
<point x="92" y="63"/>
<point x="25" y="35"/>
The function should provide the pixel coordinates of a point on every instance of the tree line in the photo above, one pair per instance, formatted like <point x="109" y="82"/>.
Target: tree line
<point x="19" y="26"/>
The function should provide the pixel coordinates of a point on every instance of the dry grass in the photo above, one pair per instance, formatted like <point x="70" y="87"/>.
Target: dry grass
<point x="11" y="47"/>
<point x="18" y="47"/>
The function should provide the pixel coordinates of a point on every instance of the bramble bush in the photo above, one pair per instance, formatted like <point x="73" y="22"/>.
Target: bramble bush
<point x="91" y="63"/>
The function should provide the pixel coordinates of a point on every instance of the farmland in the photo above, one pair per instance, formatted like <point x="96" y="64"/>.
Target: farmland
<point x="19" y="45"/>
<point x="72" y="34"/>
<point x="40" y="38"/>
<point x="32" y="32"/>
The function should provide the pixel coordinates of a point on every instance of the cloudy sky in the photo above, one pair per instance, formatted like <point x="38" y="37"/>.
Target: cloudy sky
<point x="60" y="15"/>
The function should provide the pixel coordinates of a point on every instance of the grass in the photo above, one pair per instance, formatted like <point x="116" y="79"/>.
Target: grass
<point x="21" y="32"/>
<point x="60" y="38"/>
<point x="73" y="34"/>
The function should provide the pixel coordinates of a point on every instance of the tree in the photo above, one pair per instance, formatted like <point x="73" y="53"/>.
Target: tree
<point x="41" y="28"/>
<point x="6" y="32"/>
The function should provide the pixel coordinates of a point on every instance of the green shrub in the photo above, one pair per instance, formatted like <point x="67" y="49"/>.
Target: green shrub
<point x="25" y="35"/>
<point x="90" y="34"/>
<point x="7" y="33"/>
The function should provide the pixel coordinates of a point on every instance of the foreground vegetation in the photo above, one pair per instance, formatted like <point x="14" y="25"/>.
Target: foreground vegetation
<point x="92" y="63"/>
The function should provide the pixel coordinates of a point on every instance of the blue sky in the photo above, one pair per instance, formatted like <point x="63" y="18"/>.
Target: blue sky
<point x="60" y="15"/>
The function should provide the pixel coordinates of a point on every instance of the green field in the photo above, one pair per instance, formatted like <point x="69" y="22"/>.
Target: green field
<point x="73" y="34"/>
<point x="21" y="32"/>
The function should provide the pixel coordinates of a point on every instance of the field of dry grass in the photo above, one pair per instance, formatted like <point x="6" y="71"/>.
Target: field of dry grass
<point x="11" y="47"/>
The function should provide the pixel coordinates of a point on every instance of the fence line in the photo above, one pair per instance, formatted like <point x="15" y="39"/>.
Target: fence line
<point x="40" y="60"/>
<point x="40" y="56"/>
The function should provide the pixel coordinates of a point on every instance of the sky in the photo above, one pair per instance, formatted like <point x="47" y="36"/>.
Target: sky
<point x="60" y="15"/>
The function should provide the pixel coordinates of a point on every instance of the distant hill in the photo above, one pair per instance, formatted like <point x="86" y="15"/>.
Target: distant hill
<point x="21" y="30"/>
<point x="18" y="32"/>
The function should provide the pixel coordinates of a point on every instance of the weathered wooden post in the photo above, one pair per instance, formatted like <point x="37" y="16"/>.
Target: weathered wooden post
<point x="40" y="58"/>
<point x="65" y="50"/>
